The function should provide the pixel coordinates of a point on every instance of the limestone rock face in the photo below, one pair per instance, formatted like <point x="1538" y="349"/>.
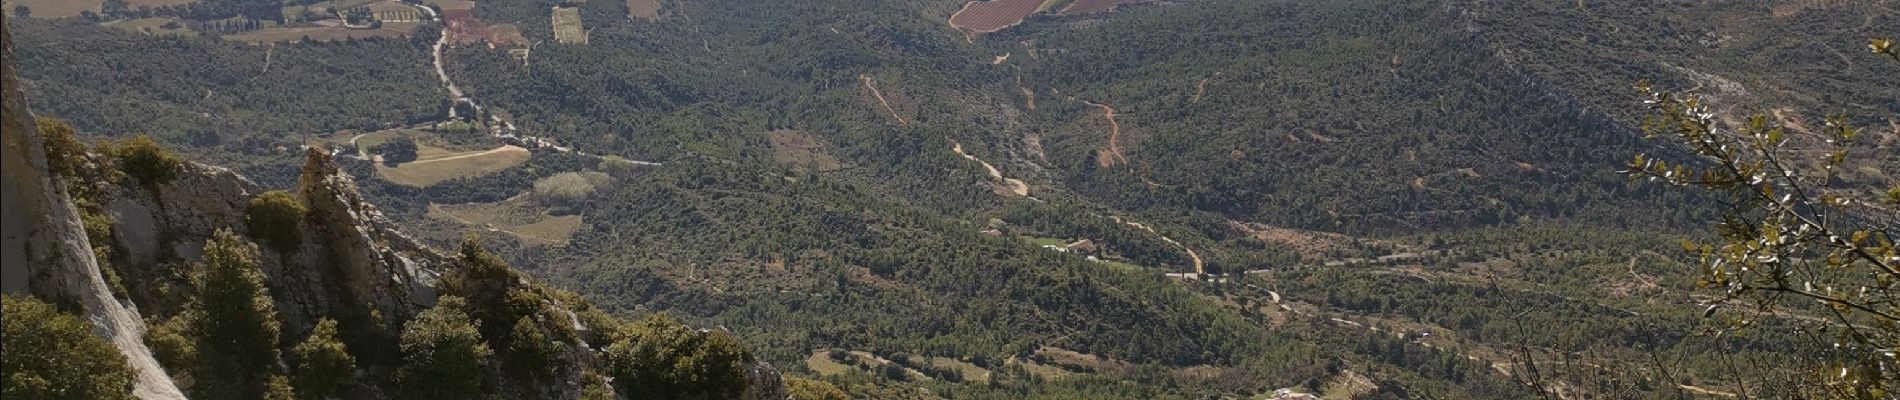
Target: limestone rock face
<point x="351" y="261"/>
<point x="763" y="383"/>
<point x="43" y="245"/>
<point x="351" y="249"/>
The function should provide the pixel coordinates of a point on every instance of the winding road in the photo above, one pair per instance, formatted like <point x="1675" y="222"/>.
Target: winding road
<point x="1014" y="186"/>
<point x="1199" y="268"/>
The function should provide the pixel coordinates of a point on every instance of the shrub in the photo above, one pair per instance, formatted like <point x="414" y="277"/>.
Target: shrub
<point x="233" y="321"/>
<point x="594" y="387"/>
<point x="807" y="389"/>
<point x="54" y="356"/>
<point x="170" y="344"/>
<point x="275" y="218"/>
<point x="324" y="364"/>
<point x="443" y="354"/>
<point x="659" y="357"/>
<point x="64" y="152"/>
<point x="531" y="351"/>
<point x="395" y="151"/>
<point x="146" y="161"/>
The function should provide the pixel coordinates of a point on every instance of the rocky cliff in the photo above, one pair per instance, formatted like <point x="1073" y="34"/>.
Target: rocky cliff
<point x="43" y="246"/>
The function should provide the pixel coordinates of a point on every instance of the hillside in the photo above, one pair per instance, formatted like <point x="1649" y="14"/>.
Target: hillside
<point x="206" y="285"/>
<point x="1182" y="199"/>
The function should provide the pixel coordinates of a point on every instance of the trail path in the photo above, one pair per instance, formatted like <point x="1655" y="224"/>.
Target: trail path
<point x="871" y="83"/>
<point x="1199" y="268"/>
<point x="1114" y="134"/>
<point x="1014" y="186"/>
<point x="502" y="149"/>
<point x="1200" y="89"/>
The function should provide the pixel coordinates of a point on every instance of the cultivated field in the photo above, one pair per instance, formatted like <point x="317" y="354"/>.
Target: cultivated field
<point x="325" y="33"/>
<point x="993" y="15"/>
<point x="448" y="4"/>
<point x="54" y="8"/>
<point x="517" y="216"/>
<point x="428" y="171"/>
<point x="567" y="25"/>
<point x="647" y="9"/>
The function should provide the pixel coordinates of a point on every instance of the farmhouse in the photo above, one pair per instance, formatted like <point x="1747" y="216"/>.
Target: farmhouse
<point x="567" y="26"/>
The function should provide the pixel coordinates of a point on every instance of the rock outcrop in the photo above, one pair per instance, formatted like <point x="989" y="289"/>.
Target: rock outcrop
<point x="43" y="247"/>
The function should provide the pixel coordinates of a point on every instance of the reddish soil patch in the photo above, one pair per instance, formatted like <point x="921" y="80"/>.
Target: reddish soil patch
<point x="993" y="15"/>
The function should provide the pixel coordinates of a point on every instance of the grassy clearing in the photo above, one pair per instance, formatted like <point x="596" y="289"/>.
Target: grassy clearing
<point x="428" y="171"/>
<point x="644" y="9"/>
<point x="152" y="26"/>
<point x="55" y="8"/>
<point x="1047" y="373"/>
<point x="517" y="216"/>
<point x="967" y="371"/>
<point x="797" y="149"/>
<point x="325" y="33"/>
<point x="821" y="363"/>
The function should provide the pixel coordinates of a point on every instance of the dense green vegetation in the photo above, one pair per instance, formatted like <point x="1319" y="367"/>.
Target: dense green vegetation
<point x="53" y="355"/>
<point x="201" y="93"/>
<point x="232" y="321"/>
<point x="324" y="366"/>
<point x="443" y="355"/>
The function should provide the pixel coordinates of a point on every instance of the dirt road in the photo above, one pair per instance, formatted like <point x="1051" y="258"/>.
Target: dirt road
<point x="1014" y="186"/>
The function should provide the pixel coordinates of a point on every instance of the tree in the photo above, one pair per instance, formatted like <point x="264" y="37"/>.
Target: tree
<point x="278" y="388"/>
<point x="1792" y="238"/>
<point x="807" y="389"/>
<point x="53" y="356"/>
<point x="488" y="286"/>
<point x="531" y="351"/>
<point x="661" y="357"/>
<point x="324" y="365"/>
<point x="63" y="149"/>
<point x="395" y="151"/>
<point x="569" y="189"/>
<point x="233" y="321"/>
<point x="443" y="354"/>
<point x="275" y="218"/>
<point x="22" y="11"/>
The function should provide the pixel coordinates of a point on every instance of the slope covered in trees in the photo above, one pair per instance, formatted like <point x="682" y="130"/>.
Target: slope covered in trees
<point x="1472" y="157"/>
